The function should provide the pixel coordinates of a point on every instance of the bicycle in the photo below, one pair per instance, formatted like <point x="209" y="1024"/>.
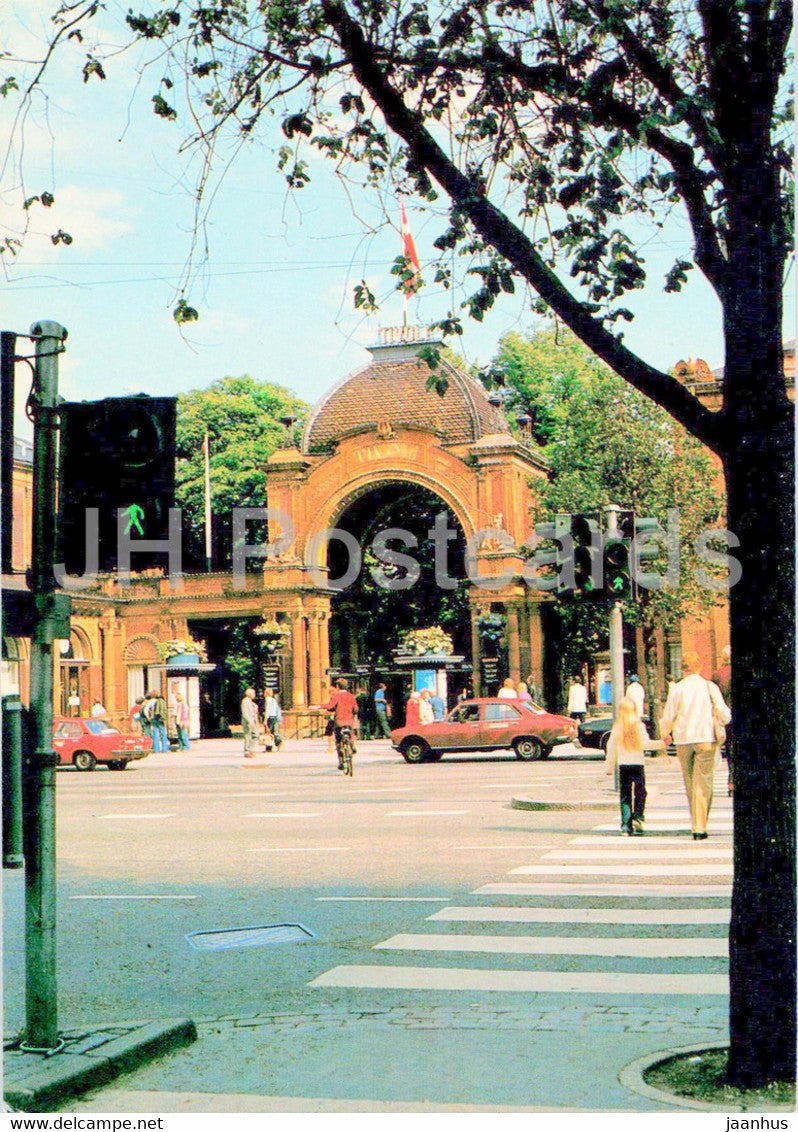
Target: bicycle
<point x="346" y="750"/>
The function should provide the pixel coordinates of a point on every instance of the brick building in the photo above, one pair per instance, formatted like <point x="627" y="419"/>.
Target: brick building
<point x="377" y="437"/>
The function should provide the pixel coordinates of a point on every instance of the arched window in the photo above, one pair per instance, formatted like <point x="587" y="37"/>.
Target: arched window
<point x="140" y="653"/>
<point x="75" y="657"/>
<point x="9" y="672"/>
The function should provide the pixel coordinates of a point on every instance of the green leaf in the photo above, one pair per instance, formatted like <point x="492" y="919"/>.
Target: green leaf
<point x="184" y="313"/>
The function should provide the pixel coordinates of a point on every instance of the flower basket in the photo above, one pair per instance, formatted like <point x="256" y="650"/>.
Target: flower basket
<point x="184" y="652"/>
<point x="272" y="634"/>
<point x="490" y="627"/>
<point x="426" y="642"/>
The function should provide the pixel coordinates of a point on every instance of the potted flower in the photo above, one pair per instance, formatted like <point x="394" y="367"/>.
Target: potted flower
<point x="182" y="652"/>
<point x="427" y="642"/>
<point x="490" y="627"/>
<point x="273" y="634"/>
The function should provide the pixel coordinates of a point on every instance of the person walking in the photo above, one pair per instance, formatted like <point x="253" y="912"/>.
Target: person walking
<point x="274" y="717"/>
<point x="694" y="712"/>
<point x="181" y="722"/>
<point x="157" y="718"/>
<point x="250" y="722"/>
<point x="626" y="753"/>
<point x="134" y="715"/>
<point x="723" y="681"/>
<point x="425" y="712"/>
<point x="98" y="710"/>
<point x="381" y="712"/>
<point x="577" y="699"/>
<point x="634" y="691"/>
<point x="507" y="691"/>
<point x="523" y="692"/>
<point x="145" y="707"/>
<point x="413" y="710"/>
<point x="343" y="706"/>
<point x="438" y="705"/>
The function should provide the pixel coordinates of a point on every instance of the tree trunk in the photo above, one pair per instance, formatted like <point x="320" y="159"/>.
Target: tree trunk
<point x="762" y="942"/>
<point x="760" y="475"/>
<point x="653" y="691"/>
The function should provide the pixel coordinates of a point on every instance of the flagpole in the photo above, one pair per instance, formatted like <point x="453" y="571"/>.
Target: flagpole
<point x="409" y="286"/>
<point x="208" y="530"/>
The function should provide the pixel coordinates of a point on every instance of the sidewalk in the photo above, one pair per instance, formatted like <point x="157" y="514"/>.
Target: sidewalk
<point x="536" y="1052"/>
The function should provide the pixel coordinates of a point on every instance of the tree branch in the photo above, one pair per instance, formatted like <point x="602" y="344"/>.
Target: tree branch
<point x="614" y="112"/>
<point x="512" y="243"/>
<point x="662" y="78"/>
<point x="780" y="32"/>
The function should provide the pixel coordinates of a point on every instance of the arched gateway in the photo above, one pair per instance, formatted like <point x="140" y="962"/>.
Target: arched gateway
<point x="377" y="436"/>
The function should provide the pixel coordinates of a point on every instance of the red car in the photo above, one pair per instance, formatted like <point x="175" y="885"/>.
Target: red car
<point x="486" y="725"/>
<point x="85" y="742"/>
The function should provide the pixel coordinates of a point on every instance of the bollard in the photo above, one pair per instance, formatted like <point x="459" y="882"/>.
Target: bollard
<point x="13" y="730"/>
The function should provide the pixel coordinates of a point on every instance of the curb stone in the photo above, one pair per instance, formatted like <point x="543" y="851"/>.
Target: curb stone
<point x="631" y="1077"/>
<point x="35" y="1083"/>
<point x="524" y="803"/>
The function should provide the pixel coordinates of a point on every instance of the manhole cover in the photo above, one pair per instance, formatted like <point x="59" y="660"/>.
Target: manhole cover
<point x="228" y="938"/>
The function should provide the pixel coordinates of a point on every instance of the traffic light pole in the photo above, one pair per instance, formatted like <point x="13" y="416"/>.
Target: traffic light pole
<point x="616" y="624"/>
<point x="41" y="1005"/>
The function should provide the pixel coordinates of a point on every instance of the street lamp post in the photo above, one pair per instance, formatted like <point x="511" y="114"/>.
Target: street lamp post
<point x="616" y="623"/>
<point x="41" y="1005"/>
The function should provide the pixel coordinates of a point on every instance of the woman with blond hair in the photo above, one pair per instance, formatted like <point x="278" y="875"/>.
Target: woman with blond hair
<point x="626" y="751"/>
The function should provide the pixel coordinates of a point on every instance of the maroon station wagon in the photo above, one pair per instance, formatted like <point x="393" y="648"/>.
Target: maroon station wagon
<point x="486" y="725"/>
<point x="83" y="743"/>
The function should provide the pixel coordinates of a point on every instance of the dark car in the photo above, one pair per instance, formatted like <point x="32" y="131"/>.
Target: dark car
<point x="486" y="725"/>
<point x="595" y="732"/>
<point x="83" y="743"/>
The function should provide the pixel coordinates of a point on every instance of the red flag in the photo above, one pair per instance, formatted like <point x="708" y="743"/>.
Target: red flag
<point x="411" y="285"/>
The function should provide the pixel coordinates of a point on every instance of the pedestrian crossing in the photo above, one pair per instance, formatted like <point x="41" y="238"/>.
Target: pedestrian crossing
<point x="657" y="922"/>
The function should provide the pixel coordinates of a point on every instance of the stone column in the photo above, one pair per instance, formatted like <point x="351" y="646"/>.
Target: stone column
<point x="314" y="651"/>
<point x="298" y="665"/>
<point x="476" y="653"/>
<point x="324" y="633"/>
<point x="354" y="642"/>
<point x="513" y="643"/>
<point x="535" y="645"/>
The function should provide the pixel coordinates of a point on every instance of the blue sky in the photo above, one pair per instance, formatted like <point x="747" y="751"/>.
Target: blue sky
<point x="276" y="295"/>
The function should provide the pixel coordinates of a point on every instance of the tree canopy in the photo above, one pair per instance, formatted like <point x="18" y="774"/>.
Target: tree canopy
<point x="559" y="132"/>
<point x="606" y="443"/>
<point x="241" y="418"/>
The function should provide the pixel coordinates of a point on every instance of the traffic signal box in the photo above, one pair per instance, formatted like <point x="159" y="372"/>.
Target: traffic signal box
<point x="618" y="578"/>
<point x="588" y="563"/>
<point x="117" y="455"/>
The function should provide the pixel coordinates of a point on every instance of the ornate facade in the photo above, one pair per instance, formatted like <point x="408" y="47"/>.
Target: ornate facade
<point x="379" y="429"/>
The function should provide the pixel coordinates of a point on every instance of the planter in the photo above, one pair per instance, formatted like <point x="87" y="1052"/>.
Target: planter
<point x="183" y="659"/>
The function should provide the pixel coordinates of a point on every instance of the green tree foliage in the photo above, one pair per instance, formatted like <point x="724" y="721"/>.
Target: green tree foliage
<point x="608" y="444"/>
<point x="241" y="417"/>
<point x="557" y="131"/>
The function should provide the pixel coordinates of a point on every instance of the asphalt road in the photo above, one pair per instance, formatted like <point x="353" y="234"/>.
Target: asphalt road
<point x="208" y="842"/>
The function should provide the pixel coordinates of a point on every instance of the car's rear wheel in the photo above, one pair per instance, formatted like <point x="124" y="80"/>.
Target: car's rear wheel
<point x="528" y="749"/>
<point x="415" y="751"/>
<point x="84" y="760"/>
<point x="117" y="764"/>
<point x="604" y="740"/>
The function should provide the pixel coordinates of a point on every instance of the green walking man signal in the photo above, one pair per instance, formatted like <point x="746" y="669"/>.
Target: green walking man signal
<point x="135" y="515"/>
<point x="596" y="564"/>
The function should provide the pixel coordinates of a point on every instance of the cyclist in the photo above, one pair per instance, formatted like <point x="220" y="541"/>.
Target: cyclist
<point x="343" y="706"/>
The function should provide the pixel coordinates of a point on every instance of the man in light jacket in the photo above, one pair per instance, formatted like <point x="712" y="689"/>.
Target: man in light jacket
<point x="689" y="720"/>
<point x="250" y="722"/>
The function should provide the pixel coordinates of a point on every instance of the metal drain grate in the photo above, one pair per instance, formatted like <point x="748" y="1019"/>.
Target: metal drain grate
<point x="228" y="938"/>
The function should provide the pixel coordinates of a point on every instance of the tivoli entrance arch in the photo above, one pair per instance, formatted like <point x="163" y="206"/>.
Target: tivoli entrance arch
<point x="382" y="430"/>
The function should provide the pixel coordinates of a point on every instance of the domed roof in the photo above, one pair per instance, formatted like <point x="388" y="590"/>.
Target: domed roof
<point x="392" y="389"/>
